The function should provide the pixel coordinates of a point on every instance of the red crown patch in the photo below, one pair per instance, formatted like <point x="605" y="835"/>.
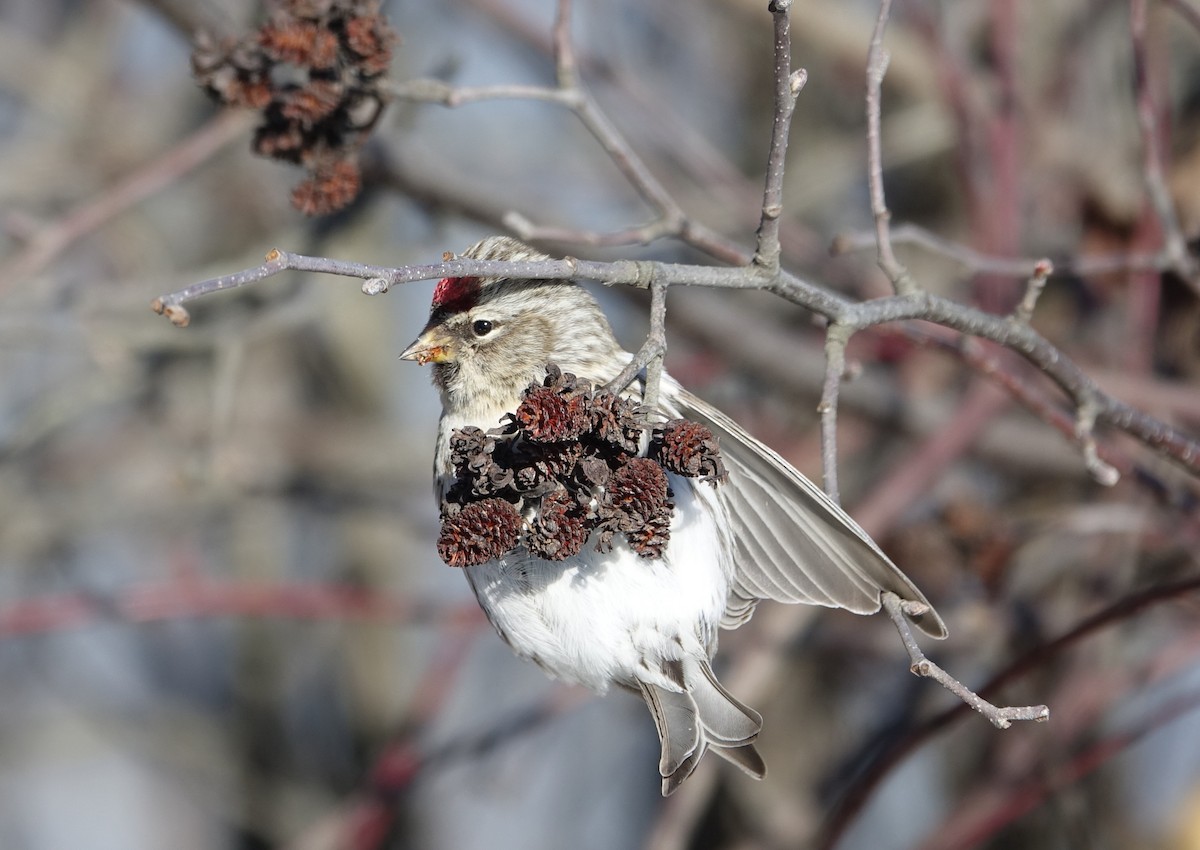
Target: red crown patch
<point x="456" y="294"/>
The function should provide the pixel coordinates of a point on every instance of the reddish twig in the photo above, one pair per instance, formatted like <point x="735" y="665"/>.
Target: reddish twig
<point x="855" y="798"/>
<point x="211" y="598"/>
<point x="911" y="478"/>
<point x="47" y="243"/>
<point x="974" y="828"/>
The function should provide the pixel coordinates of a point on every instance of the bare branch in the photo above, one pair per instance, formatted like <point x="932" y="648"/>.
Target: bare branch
<point x="787" y="86"/>
<point x="877" y="62"/>
<point x="977" y="262"/>
<point x="1175" y="244"/>
<point x="836" y="339"/>
<point x="1022" y="339"/>
<point x="999" y="717"/>
<point x="1033" y="290"/>
<point x="44" y="245"/>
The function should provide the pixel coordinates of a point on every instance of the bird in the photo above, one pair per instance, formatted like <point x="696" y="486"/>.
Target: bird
<point x="611" y="618"/>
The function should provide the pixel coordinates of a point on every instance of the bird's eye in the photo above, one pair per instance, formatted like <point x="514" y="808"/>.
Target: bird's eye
<point x="482" y="327"/>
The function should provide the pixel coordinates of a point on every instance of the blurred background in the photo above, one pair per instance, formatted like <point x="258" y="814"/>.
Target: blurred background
<point x="223" y="623"/>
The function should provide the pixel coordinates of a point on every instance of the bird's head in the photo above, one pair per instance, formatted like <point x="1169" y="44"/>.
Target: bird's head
<point x="489" y="338"/>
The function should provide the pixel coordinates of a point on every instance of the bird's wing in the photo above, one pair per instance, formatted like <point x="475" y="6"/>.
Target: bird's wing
<point x="792" y="542"/>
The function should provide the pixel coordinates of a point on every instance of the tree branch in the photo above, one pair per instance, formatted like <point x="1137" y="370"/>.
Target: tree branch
<point x="999" y="717"/>
<point x="1022" y="339"/>
<point x="787" y="87"/>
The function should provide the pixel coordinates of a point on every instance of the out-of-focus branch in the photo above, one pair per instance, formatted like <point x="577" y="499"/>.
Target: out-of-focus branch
<point x="1186" y="10"/>
<point x="207" y="598"/>
<point x="1174" y="242"/>
<point x="877" y="62"/>
<point x="857" y="796"/>
<point x="670" y="219"/>
<point x="973" y="826"/>
<point x="47" y="243"/>
<point x="977" y="262"/>
<point x="192" y="16"/>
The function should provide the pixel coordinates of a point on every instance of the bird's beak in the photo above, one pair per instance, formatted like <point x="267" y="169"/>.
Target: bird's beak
<point x="432" y="346"/>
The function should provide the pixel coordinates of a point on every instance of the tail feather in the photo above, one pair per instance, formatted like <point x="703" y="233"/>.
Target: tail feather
<point x="702" y="715"/>
<point x="746" y="758"/>
<point x="678" y="732"/>
<point x="727" y="720"/>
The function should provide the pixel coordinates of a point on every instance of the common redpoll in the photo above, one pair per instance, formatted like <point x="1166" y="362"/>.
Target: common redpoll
<point x="650" y="625"/>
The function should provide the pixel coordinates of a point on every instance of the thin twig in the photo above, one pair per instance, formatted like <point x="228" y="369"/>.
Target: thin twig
<point x="787" y="86"/>
<point x="424" y="90"/>
<point x="565" y="65"/>
<point x="656" y="340"/>
<point x="1033" y="290"/>
<point x="848" y="807"/>
<point x="46" y="244"/>
<point x="877" y="62"/>
<point x="1085" y="428"/>
<point x="1022" y="339"/>
<point x="650" y="355"/>
<point x="1175" y="244"/>
<point x="1000" y="717"/>
<point x="836" y="339"/>
<point x="978" y="262"/>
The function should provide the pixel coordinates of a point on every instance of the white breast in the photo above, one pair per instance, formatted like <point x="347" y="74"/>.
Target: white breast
<point x="603" y="618"/>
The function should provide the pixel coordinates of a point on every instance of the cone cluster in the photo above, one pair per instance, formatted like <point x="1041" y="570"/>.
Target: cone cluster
<point x="571" y="464"/>
<point x="314" y="70"/>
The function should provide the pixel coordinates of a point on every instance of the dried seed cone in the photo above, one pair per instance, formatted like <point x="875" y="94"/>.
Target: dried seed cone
<point x="615" y="422"/>
<point x="559" y="530"/>
<point x="548" y="417"/>
<point x="565" y="446"/>
<point x="638" y="488"/>
<point x="557" y="410"/>
<point x="689" y="448"/>
<point x="313" y="69"/>
<point x="651" y="538"/>
<point x="637" y="503"/>
<point x="479" y="532"/>
<point x="470" y="450"/>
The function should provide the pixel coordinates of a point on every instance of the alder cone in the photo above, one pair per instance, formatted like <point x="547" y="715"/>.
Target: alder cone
<point x="479" y="532"/>
<point x="567" y="460"/>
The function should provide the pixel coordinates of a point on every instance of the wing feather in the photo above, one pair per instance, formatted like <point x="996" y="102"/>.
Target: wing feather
<point x="793" y="543"/>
